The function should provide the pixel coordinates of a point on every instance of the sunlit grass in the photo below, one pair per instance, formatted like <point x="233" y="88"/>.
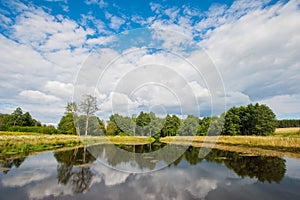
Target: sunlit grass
<point x="291" y="144"/>
<point x="288" y="132"/>
<point x="117" y="140"/>
<point x="24" y="143"/>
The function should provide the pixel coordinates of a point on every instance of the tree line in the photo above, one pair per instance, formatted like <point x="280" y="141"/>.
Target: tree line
<point x="287" y="123"/>
<point x="18" y="121"/>
<point x="253" y="119"/>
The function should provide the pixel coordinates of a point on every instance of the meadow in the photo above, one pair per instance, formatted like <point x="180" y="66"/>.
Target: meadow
<point x="285" y="141"/>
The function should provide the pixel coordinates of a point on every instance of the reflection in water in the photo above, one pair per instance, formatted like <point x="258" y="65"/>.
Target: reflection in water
<point x="7" y="164"/>
<point x="79" y="177"/>
<point x="220" y="173"/>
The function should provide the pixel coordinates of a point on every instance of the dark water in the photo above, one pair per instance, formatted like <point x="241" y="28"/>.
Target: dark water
<point x="79" y="174"/>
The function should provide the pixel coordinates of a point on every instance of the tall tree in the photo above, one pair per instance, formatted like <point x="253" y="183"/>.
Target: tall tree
<point x="88" y="106"/>
<point x="142" y="121"/>
<point x="66" y="124"/>
<point x="203" y="127"/>
<point x="189" y="125"/>
<point x="233" y="123"/>
<point x="171" y="126"/>
<point x="17" y="117"/>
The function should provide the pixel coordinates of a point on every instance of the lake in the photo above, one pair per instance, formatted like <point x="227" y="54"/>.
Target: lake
<point x="81" y="173"/>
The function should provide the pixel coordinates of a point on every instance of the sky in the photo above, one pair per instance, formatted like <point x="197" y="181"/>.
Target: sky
<point x="178" y="57"/>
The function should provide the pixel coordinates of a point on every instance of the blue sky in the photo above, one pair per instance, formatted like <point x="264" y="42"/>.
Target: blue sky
<point x="253" y="48"/>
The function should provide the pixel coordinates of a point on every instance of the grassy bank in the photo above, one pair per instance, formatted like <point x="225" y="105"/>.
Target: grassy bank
<point x="22" y="144"/>
<point x="129" y="140"/>
<point x="283" y="142"/>
<point x="288" y="132"/>
<point x="241" y="143"/>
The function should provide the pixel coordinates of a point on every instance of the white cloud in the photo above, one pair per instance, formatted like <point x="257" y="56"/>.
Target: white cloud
<point x="38" y="97"/>
<point x="49" y="187"/>
<point x="284" y="104"/>
<point x="59" y="89"/>
<point x="256" y="54"/>
<point x="198" y="90"/>
<point x="111" y="177"/>
<point x="116" y="22"/>
<point x="100" y="3"/>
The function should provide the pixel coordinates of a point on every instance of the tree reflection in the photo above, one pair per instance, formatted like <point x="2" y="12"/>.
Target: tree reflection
<point x="264" y="168"/>
<point x="74" y="168"/>
<point x="7" y="164"/>
<point x="74" y="165"/>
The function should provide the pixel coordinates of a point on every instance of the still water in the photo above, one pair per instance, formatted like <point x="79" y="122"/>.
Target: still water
<point x="79" y="174"/>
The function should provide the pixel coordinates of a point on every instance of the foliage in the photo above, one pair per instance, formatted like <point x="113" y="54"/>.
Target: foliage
<point x="66" y="125"/>
<point x="250" y="120"/>
<point x="287" y="123"/>
<point x="203" y="127"/>
<point x="37" y="129"/>
<point x="171" y="126"/>
<point x="17" y="118"/>
<point x="142" y="121"/>
<point x="111" y="128"/>
<point x="96" y="126"/>
<point x="189" y="125"/>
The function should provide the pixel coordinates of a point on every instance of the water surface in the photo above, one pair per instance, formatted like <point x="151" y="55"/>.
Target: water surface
<point x="79" y="174"/>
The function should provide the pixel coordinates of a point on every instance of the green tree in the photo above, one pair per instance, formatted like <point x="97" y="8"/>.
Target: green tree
<point x="124" y="124"/>
<point x="142" y="121"/>
<point x="265" y="121"/>
<point x="203" y="127"/>
<point x="66" y="124"/>
<point x="27" y="120"/>
<point x="250" y="120"/>
<point x="189" y="126"/>
<point x="17" y="117"/>
<point x="171" y="126"/>
<point x="216" y="125"/>
<point x="155" y="125"/>
<point x="233" y="123"/>
<point x="111" y="128"/>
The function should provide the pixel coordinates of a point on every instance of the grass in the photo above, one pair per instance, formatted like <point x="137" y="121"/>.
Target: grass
<point x="288" y="132"/>
<point x="129" y="140"/>
<point x="285" y="142"/>
<point x="22" y="144"/>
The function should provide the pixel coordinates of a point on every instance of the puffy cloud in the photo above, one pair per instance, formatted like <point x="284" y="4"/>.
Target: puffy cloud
<point x="256" y="54"/>
<point x="283" y="105"/>
<point x="59" y="89"/>
<point x="38" y="97"/>
<point x="116" y="22"/>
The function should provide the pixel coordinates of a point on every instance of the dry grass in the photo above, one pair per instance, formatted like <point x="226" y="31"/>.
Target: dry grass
<point x="287" y="130"/>
<point x="285" y="144"/>
<point x="129" y="140"/>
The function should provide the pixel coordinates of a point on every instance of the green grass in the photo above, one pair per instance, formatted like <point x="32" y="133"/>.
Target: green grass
<point x="20" y="143"/>
<point x="25" y="143"/>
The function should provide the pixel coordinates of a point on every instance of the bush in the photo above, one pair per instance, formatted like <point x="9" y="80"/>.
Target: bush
<point x="34" y="129"/>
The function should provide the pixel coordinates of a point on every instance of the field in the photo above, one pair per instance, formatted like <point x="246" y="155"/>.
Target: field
<point x="285" y="141"/>
<point x="18" y="143"/>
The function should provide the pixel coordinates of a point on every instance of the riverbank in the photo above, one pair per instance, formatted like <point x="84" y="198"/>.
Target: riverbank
<point x="255" y="145"/>
<point x="283" y="142"/>
<point x="22" y="144"/>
